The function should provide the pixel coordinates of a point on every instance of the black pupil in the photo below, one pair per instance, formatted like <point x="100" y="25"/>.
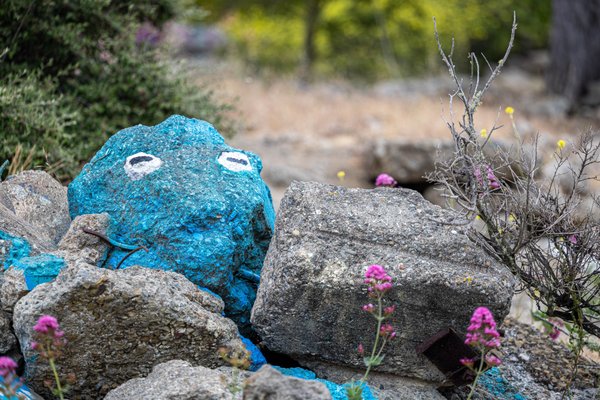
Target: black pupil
<point x="236" y="160"/>
<point x="139" y="159"/>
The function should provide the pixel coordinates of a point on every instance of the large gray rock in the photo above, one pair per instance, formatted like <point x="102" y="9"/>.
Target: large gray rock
<point x="269" y="384"/>
<point x="175" y="380"/>
<point x="309" y="302"/>
<point x="119" y="324"/>
<point x="38" y="199"/>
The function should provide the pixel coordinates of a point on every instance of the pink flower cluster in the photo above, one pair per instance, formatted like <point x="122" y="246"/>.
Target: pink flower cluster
<point x="493" y="181"/>
<point x="482" y="334"/>
<point x="387" y="331"/>
<point x="10" y="382"/>
<point x="554" y="332"/>
<point x="49" y="337"/>
<point x="385" y="180"/>
<point x="378" y="280"/>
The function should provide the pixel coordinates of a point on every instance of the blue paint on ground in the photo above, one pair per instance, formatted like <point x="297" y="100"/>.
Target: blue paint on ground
<point x="39" y="269"/>
<point x="19" y="248"/>
<point x="500" y="388"/>
<point x="256" y="356"/>
<point x="198" y="205"/>
<point x="338" y="392"/>
<point x="24" y="391"/>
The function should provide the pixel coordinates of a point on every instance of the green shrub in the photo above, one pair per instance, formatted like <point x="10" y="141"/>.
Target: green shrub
<point x="91" y="70"/>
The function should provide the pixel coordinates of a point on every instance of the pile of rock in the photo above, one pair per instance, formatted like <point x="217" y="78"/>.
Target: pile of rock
<point x="188" y="221"/>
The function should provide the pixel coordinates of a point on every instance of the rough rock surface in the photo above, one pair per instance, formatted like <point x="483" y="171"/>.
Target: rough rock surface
<point x="269" y="384"/>
<point x="175" y="380"/>
<point x="78" y="246"/>
<point x="7" y="338"/>
<point x="18" y="238"/>
<point x="12" y="288"/>
<point x="384" y="386"/>
<point x="197" y="204"/>
<point x="40" y="200"/>
<point x="309" y="301"/>
<point x="119" y="324"/>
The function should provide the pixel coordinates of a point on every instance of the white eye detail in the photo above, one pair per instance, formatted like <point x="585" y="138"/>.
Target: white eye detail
<point x="141" y="164"/>
<point x="235" y="161"/>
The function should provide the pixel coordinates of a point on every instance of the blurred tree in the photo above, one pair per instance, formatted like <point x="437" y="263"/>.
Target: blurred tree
<point x="574" y="47"/>
<point x="372" y="39"/>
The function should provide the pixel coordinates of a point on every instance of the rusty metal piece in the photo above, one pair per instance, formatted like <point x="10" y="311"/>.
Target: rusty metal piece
<point x="444" y="350"/>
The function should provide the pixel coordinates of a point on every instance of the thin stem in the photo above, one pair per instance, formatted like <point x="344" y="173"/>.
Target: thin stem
<point x="58" y="386"/>
<point x="477" y="376"/>
<point x="380" y="319"/>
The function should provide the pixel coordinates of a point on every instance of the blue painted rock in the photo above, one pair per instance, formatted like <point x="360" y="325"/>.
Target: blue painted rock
<point x="198" y="205"/>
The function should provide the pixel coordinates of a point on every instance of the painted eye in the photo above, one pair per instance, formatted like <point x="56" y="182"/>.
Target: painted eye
<point x="235" y="161"/>
<point x="141" y="164"/>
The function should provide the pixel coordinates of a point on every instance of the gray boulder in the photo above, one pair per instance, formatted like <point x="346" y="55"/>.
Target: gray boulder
<point x="175" y="380"/>
<point x="119" y="324"/>
<point x="309" y="302"/>
<point x="41" y="201"/>
<point x="269" y="384"/>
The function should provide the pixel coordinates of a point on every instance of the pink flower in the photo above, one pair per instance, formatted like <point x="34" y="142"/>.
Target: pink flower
<point x="491" y="359"/>
<point x="573" y="239"/>
<point x="555" y="329"/>
<point x="387" y="311"/>
<point x="482" y="330"/>
<point x="377" y="272"/>
<point x="7" y="366"/>
<point x="467" y="362"/>
<point x="494" y="184"/>
<point x="387" y="331"/>
<point x="45" y="324"/>
<point x="361" y="349"/>
<point x="368" y="307"/>
<point x="385" y="180"/>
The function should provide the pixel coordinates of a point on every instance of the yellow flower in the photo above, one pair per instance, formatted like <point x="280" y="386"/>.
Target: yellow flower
<point x="511" y="218"/>
<point x="468" y="279"/>
<point x="483" y="133"/>
<point x="341" y="175"/>
<point x="509" y="110"/>
<point x="536" y="293"/>
<point x="477" y="217"/>
<point x="561" y="144"/>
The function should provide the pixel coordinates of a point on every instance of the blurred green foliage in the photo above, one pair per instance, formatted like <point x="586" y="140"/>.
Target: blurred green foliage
<point x="374" y="39"/>
<point x="71" y="74"/>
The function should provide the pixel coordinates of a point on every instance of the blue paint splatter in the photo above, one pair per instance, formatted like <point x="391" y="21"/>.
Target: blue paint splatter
<point x="19" y="248"/>
<point x="39" y="269"/>
<point x="500" y="388"/>
<point x="168" y="188"/>
<point x="256" y="356"/>
<point x="23" y="390"/>
<point x="338" y="392"/>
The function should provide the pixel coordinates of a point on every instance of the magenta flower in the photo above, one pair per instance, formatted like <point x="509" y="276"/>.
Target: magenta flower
<point x="385" y="180"/>
<point x="492" y="360"/>
<point x="376" y="272"/>
<point x="387" y="331"/>
<point x="387" y="311"/>
<point x="573" y="239"/>
<point x="482" y="330"/>
<point x="361" y="349"/>
<point x="45" y="324"/>
<point x="467" y="362"/>
<point x="494" y="184"/>
<point x="368" y="307"/>
<point x="7" y="366"/>
<point x="555" y="329"/>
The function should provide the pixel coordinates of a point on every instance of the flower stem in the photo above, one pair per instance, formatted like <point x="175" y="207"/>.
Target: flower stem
<point x="474" y="385"/>
<point x="380" y="319"/>
<point x="58" y="387"/>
